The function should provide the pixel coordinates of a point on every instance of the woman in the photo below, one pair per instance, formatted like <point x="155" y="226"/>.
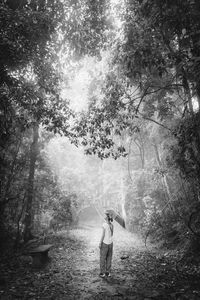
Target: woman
<point x="106" y="246"/>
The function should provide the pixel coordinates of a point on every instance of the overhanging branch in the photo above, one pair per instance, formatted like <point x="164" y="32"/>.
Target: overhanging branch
<point x="154" y="121"/>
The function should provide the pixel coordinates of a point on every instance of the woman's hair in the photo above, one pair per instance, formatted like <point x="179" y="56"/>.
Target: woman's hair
<point x="110" y="219"/>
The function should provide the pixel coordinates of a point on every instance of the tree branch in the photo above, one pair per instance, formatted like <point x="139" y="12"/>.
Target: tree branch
<point x="149" y="119"/>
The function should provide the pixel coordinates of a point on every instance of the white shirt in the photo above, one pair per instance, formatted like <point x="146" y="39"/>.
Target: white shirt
<point x="108" y="239"/>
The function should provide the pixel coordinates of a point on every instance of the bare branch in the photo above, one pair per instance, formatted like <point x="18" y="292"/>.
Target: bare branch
<point x="149" y="119"/>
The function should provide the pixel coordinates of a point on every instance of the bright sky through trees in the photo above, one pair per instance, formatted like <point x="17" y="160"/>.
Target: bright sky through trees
<point x="77" y="89"/>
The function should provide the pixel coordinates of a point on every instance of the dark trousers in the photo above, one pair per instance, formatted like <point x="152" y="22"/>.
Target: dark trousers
<point x="106" y="253"/>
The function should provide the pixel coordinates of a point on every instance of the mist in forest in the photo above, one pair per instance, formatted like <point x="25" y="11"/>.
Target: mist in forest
<point x="94" y="180"/>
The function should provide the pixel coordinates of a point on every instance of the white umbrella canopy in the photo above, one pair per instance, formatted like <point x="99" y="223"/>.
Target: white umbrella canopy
<point x="116" y="217"/>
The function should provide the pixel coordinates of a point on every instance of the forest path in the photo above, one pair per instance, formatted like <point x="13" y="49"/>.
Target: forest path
<point x="86" y="265"/>
<point x="73" y="272"/>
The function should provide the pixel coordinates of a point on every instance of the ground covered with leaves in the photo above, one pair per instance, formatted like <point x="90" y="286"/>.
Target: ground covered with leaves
<point x="73" y="271"/>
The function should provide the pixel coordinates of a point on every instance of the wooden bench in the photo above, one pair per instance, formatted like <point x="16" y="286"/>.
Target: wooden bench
<point x="39" y="254"/>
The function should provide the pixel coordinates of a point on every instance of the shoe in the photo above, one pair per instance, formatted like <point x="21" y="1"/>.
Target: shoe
<point x="102" y="275"/>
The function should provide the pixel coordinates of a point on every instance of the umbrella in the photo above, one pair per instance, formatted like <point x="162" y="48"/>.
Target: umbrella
<point x="116" y="217"/>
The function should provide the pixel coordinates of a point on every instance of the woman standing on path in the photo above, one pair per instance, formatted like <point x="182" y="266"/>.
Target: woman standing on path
<point x="106" y="246"/>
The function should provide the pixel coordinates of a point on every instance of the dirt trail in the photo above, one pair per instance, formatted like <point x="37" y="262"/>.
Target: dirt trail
<point x="93" y="287"/>
<point x="73" y="272"/>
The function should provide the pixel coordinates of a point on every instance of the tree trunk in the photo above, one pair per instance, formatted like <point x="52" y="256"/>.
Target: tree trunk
<point x="122" y="198"/>
<point x="5" y="190"/>
<point x="187" y="92"/>
<point x="165" y="181"/>
<point x="140" y="144"/>
<point x="30" y="187"/>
